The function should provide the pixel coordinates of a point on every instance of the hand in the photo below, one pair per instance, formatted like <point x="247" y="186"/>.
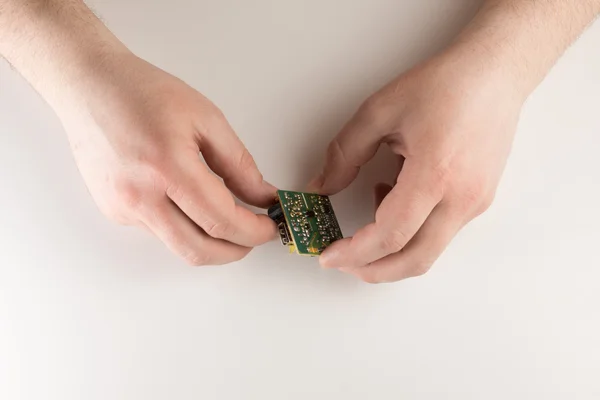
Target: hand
<point x="137" y="134"/>
<point x="451" y="122"/>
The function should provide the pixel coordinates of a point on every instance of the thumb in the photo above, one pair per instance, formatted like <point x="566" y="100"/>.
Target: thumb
<point x="227" y="156"/>
<point x="352" y="148"/>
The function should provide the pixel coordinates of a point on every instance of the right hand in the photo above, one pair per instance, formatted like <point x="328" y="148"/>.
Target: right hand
<point x="451" y="122"/>
<point x="137" y="134"/>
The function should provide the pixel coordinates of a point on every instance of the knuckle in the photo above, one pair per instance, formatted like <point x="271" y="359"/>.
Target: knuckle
<point x="477" y="197"/>
<point x="333" y="149"/>
<point x="394" y="241"/>
<point x="115" y="216"/>
<point x="217" y="114"/>
<point x="469" y="195"/>
<point x="128" y="193"/>
<point x="486" y="202"/>
<point x="152" y="157"/>
<point x="159" y="172"/>
<point x="371" y="105"/>
<point x="241" y="255"/>
<point x="247" y="166"/>
<point x="420" y="268"/>
<point x="151" y="161"/>
<point x="474" y="194"/>
<point x="173" y="236"/>
<point x="442" y="171"/>
<point x="197" y="259"/>
<point x="335" y="152"/>
<point x="374" y="109"/>
<point x="154" y="176"/>
<point x="219" y="230"/>
<point x="214" y="120"/>
<point x="175" y="192"/>
<point x="246" y="161"/>
<point x="370" y="277"/>
<point x="371" y="280"/>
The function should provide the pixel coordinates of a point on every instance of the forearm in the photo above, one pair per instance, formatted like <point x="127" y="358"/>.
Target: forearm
<point x="54" y="43"/>
<point x="524" y="38"/>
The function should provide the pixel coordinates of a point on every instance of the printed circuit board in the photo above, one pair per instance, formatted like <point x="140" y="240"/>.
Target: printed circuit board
<point x="306" y="222"/>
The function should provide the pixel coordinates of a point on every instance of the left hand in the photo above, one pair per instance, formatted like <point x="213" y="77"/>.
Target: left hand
<point x="451" y="121"/>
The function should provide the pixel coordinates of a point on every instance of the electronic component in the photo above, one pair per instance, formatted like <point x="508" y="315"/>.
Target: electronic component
<point x="306" y="222"/>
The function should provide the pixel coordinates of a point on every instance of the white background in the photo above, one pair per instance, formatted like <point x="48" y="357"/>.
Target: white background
<point x="93" y="311"/>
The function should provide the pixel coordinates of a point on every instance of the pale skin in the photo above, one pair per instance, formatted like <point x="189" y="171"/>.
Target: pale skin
<point x="136" y="133"/>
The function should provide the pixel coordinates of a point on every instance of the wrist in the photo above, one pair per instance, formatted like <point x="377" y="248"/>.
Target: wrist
<point x="521" y="40"/>
<point x="500" y="58"/>
<point x="481" y="66"/>
<point x="56" y="44"/>
<point x="469" y="71"/>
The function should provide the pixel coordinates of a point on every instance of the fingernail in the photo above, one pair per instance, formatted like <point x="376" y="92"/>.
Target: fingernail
<point x="316" y="183"/>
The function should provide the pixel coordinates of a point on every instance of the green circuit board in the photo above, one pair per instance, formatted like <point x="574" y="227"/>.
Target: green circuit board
<point x="306" y="222"/>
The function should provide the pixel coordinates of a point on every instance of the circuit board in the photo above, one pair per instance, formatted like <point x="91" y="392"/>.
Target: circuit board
<point x="306" y="222"/>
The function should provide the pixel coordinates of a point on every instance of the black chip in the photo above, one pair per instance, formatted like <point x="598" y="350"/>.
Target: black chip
<point x="275" y="212"/>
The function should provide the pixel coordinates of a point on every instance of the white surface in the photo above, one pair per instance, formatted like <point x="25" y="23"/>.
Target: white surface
<point x="93" y="311"/>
